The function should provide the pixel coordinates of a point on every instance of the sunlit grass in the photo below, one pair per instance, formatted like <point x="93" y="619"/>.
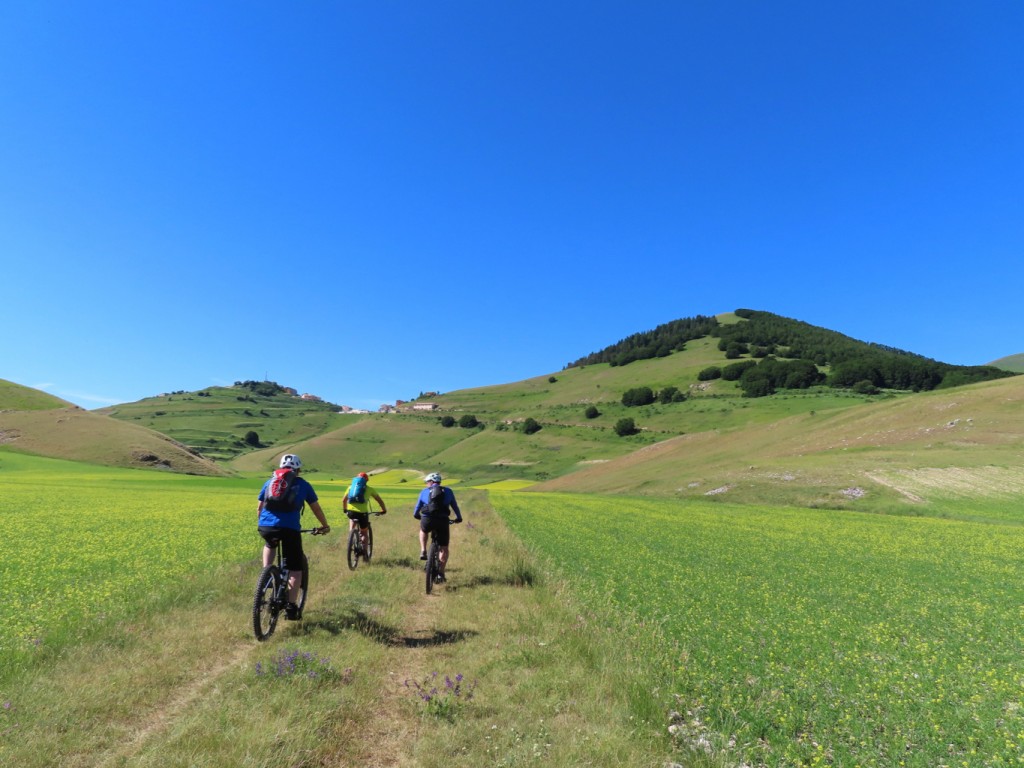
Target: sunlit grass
<point x="808" y="637"/>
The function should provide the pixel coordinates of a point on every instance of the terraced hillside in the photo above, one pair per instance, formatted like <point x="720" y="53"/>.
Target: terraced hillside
<point x="217" y="420"/>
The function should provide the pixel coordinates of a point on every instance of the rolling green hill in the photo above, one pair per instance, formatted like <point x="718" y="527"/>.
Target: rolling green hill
<point x="562" y="430"/>
<point x="77" y="435"/>
<point x="1013" y="363"/>
<point x="900" y="452"/>
<point x="15" y="397"/>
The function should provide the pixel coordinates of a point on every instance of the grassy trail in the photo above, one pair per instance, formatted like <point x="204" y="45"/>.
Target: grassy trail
<point x="182" y="686"/>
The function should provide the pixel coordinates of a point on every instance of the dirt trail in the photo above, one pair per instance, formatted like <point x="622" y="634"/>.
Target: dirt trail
<point x="390" y="733"/>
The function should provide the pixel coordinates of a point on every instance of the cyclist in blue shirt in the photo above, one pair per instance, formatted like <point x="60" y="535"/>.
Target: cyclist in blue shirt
<point x="285" y="526"/>
<point x="435" y="517"/>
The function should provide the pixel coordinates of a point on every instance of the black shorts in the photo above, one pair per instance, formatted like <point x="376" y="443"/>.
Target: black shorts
<point x="440" y="525"/>
<point x="363" y="518"/>
<point x="292" y="556"/>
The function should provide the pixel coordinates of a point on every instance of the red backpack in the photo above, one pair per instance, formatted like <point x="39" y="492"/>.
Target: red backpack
<point x="280" y="495"/>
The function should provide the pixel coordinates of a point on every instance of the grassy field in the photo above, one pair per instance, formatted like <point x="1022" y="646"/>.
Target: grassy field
<point x="130" y="644"/>
<point x="806" y="637"/>
<point x="763" y="635"/>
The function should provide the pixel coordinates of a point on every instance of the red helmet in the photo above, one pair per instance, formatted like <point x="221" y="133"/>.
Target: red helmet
<point x="364" y="475"/>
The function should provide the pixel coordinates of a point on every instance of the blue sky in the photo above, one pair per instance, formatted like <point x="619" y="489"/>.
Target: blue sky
<point x="368" y="200"/>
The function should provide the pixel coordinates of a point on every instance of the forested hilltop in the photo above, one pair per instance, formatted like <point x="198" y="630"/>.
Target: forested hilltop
<point x="782" y="353"/>
<point x="661" y="342"/>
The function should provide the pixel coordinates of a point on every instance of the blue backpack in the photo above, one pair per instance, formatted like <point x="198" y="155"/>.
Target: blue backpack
<point x="357" y="491"/>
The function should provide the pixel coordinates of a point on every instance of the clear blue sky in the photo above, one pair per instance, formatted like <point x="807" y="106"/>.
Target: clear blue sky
<point x="367" y="200"/>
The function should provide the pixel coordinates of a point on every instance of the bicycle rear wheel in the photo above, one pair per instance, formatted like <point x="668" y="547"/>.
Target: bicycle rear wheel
<point x="432" y="565"/>
<point x="353" y="548"/>
<point x="303" y="585"/>
<point x="264" y="604"/>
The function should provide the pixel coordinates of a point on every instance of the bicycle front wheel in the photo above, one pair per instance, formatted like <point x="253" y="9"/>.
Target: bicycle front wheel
<point x="264" y="603"/>
<point x="369" y="544"/>
<point x="353" y="548"/>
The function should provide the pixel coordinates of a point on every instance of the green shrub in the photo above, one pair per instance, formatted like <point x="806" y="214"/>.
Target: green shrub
<point x="638" y="396"/>
<point x="625" y="427"/>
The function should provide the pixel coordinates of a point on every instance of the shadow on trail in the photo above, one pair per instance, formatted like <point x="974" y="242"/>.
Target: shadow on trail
<point x="385" y="634"/>
<point x="437" y="637"/>
<point x="506" y="580"/>
<point x="356" y="620"/>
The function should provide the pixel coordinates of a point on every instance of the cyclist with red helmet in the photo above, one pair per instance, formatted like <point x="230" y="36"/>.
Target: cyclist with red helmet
<point x="358" y="512"/>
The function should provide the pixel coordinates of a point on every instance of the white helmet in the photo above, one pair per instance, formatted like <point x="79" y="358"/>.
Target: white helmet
<point x="291" y="461"/>
<point x="433" y="477"/>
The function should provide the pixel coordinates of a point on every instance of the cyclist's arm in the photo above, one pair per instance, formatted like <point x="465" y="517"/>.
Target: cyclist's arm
<point x="319" y="512"/>
<point x="455" y="508"/>
<point x="383" y="509"/>
<point x="344" y="504"/>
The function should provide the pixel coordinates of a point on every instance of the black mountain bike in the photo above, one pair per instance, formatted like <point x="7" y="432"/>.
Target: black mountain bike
<point x="271" y="596"/>
<point x="433" y="567"/>
<point x="355" y="544"/>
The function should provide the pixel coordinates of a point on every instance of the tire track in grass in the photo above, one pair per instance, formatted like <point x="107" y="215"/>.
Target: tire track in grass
<point x="154" y="722"/>
<point x="158" y="721"/>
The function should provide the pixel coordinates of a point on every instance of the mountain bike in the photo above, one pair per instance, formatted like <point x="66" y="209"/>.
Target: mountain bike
<point x="433" y="567"/>
<point x="271" y="596"/>
<point x="355" y="544"/>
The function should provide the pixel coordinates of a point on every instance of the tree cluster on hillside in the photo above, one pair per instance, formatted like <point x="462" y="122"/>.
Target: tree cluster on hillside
<point x="645" y="396"/>
<point x="851" y="361"/>
<point x="263" y="388"/>
<point x="661" y="342"/>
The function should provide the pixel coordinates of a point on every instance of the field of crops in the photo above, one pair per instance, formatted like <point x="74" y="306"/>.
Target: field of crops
<point x="89" y="545"/>
<point x="803" y="637"/>
<point x="84" y="543"/>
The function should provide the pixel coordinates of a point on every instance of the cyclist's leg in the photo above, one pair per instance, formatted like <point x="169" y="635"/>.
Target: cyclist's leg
<point x="294" y="560"/>
<point x="443" y="539"/>
<point x="363" y="519"/>
<point x="424" y="530"/>
<point x="270" y="538"/>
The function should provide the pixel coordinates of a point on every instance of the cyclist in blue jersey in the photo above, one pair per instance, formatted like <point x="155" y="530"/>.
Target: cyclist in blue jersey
<point x="285" y="526"/>
<point x="433" y="515"/>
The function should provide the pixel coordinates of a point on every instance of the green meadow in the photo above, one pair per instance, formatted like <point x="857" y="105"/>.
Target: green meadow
<point x="726" y="634"/>
<point x="804" y="637"/>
